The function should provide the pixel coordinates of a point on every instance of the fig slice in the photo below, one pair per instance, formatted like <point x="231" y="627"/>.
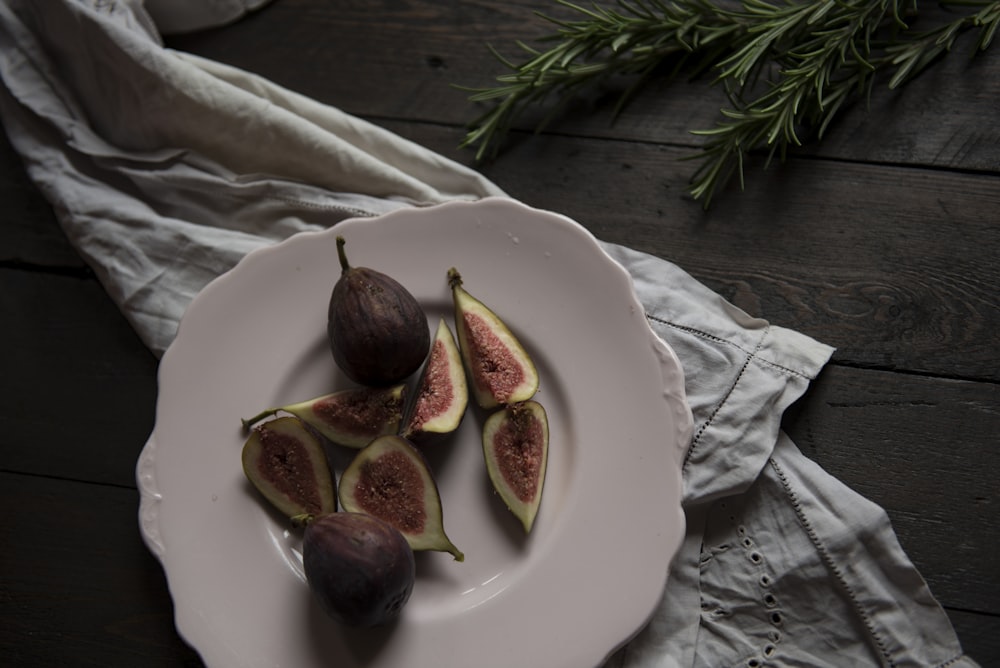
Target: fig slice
<point x="377" y="329"/>
<point x="516" y="448"/>
<point x="442" y="394"/>
<point x="500" y="370"/>
<point x="287" y="465"/>
<point x="390" y="480"/>
<point x="353" y="417"/>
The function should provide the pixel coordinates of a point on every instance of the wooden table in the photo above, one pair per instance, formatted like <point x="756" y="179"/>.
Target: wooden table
<point x="881" y="241"/>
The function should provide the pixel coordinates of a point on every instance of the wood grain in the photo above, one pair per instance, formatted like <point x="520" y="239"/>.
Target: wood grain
<point x="927" y="439"/>
<point x="881" y="241"/>
<point x="887" y="295"/>
<point x="30" y="234"/>
<point x="79" y="586"/>
<point x="801" y="247"/>
<point x="79" y="388"/>
<point x="423" y="49"/>
<point x="980" y="635"/>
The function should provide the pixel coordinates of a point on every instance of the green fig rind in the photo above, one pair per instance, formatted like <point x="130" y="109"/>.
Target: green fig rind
<point x="352" y="418"/>
<point x="442" y="394"/>
<point x="500" y="370"/>
<point x="518" y="476"/>
<point x="286" y="463"/>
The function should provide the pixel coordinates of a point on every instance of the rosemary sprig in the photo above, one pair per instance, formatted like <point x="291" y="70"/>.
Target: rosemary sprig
<point x="787" y="69"/>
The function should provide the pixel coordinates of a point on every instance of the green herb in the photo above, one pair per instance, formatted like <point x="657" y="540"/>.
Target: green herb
<point x="787" y="68"/>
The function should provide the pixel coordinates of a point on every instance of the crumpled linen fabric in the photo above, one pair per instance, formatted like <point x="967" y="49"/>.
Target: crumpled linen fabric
<point x="782" y="564"/>
<point x="181" y="16"/>
<point x="165" y="169"/>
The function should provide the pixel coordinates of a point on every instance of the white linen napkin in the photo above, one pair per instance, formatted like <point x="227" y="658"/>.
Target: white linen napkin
<point x="211" y="163"/>
<point x="181" y="16"/>
<point x="165" y="169"/>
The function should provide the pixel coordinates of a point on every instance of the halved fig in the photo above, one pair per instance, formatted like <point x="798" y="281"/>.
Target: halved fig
<point x="500" y="370"/>
<point x="516" y="448"/>
<point x="442" y="393"/>
<point x="390" y="480"/>
<point x="352" y="417"/>
<point x="287" y="465"/>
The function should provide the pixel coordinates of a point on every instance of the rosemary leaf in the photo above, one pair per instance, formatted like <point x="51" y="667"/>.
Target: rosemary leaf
<point x="788" y="68"/>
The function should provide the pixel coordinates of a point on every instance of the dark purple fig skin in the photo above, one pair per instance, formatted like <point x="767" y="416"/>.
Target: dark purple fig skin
<point x="377" y="329"/>
<point x="360" y="569"/>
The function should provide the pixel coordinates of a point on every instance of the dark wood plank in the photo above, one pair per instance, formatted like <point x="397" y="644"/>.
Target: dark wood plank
<point x="895" y="267"/>
<point x="892" y="261"/>
<point x="925" y="307"/>
<point x="88" y="593"/>
<point x="30" y="233"/>
<point x="79" y="586"/>
<point x="424" y="48"/>
<point x="79" y="387"/>
<point x="923" y="449"/>
<point x="979" y="634"/>
<point x="948" y="117"/>
<point x="888" y="295"/>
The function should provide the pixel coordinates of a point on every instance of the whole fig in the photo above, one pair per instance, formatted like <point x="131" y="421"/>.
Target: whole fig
<point x="377" y="329"/>
<point x="360" y="569"/>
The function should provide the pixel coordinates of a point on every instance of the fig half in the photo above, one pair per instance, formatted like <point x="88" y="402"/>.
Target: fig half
<point x="389" y="479"/>
<point x="287" y="465"/>
<point x="442" y="394"/>
<point x="500" y="370"/>
<point x="352" y="417"/>
<point x="360" y="569"/>
<point x="377" y="329"/>
<point x="516" y="448"/>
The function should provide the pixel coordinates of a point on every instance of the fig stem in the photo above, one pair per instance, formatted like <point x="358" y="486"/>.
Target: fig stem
<point x="341" y="254"/>
<point x="248" y="423"/>
<point x="454" y="278"/>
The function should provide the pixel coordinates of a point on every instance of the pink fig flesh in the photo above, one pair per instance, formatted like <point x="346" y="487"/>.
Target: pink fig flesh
<point x="287" y="465"/>
<point x="500" y="370"/>
<point x="442" y="394"/>
<point x="390" y="480"/>
<point x="352" y="417"/>
<point x="516" y="448"/>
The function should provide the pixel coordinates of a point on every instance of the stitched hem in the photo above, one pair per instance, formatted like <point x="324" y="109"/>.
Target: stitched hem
<point x="718" y="407"/>
<point x="830" y="564"/>
<point x="718" y="339"/>
<point x="319" y="206"/>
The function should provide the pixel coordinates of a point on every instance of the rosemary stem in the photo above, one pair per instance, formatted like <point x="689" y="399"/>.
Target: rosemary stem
<point x="788" y="68"/>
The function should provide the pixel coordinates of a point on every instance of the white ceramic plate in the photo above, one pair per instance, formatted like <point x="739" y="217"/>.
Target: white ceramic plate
<point x="591" y="572"/>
